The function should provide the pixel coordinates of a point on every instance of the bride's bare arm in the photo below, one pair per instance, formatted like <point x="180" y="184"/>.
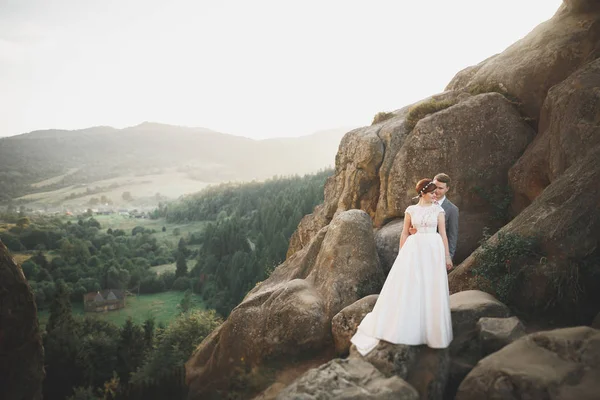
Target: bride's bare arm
<point x="442" y="231"/>
<point x="407" y="224"/>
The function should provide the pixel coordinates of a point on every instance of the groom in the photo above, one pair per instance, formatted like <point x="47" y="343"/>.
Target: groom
<point x="442" y="183"/>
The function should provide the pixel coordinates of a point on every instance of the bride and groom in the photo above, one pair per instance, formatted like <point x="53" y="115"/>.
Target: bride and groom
<point x="414" y="304"/>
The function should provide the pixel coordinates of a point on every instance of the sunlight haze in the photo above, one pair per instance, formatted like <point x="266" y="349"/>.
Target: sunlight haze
<point x="257" y="69"/>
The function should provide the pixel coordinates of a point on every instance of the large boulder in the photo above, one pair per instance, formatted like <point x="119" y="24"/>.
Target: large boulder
<point x="350" y="380"/>
<point x="288" y="316"/>
<point x="387" y="240"/>
<point x="423" y="368"/>
<point x="542" y="59"/>
<point x="467" y="308"/>
<point x="558" y="364"/>
<point x="569" y="128"/>
<point x="345" y="323"/>
<point x="451" y="141"/>
<point x="565" y="220"/>
<point x="21" y="351"/>
<point x="377" y="167"/>
<point x="495" y="333"/>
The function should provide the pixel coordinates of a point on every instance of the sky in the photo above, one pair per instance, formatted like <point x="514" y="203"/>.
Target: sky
<point x="260" y="69"/>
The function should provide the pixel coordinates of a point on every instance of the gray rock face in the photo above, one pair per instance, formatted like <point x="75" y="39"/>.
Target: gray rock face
<point x="569" y="128"/>
<point x="21" y="351"/>
<point x="465" y="350"/>
<point x="558" y="364"/>
<point x="495" y="333"/>
<point x="344" y="324"/>
<point x="596" y="322"/>
<point x="542" y="59"/>
<point x="348" y="379"/>
<point x="423" y="368"/>
<point x="290" y="313"/>
<point x="387" y="241"/>
<point x="565" y="220"/>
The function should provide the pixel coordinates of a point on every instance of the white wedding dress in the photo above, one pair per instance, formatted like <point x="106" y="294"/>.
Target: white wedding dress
<point x="414" y="304"/>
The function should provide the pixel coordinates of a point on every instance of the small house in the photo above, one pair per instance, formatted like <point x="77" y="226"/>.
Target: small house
<point x="104" y="300"/>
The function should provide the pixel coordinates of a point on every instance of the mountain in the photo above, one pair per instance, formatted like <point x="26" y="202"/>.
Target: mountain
<point x="519" y="135"/>
<point x="56" y="167"/>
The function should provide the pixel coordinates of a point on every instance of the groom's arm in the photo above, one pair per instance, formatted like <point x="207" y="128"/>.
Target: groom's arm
<point x="452" y="229"/>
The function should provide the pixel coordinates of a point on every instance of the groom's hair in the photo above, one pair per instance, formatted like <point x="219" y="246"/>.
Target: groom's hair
<point x="441" y="177"/>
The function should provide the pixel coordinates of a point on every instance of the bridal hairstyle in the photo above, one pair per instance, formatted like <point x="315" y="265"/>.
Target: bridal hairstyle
<point x="425" y="186"/>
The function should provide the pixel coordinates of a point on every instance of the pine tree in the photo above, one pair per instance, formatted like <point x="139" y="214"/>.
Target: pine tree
<point x="182" y="268"/>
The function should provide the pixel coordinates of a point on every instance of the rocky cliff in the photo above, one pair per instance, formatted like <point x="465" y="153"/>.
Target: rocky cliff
<point x="21" y="352"/>
<point x="519" y="135"/>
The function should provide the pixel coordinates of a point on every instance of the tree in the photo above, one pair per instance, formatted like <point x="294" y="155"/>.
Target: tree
<point x="181" y="264"/>
<point x="186" y="302"/>
<point x="127" y="196"/>
<point x="130" y="350"/>
<point x="176" y="344"/>
<point x="61" y="347"/>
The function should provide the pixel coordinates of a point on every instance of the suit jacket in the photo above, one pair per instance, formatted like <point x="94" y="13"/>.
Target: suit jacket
<point x="451" y="224"/>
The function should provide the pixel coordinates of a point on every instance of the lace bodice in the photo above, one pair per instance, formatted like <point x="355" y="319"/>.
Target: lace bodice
<point x="424" y="218"/>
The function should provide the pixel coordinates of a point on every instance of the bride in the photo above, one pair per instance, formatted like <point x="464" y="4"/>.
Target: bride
<point x="414" y="306"/>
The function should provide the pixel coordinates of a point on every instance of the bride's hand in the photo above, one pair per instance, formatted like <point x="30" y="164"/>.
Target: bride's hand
<point x="449" y="265"/>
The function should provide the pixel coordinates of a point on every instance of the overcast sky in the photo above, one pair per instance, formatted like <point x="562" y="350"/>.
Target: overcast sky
<point x="253" y="68"/>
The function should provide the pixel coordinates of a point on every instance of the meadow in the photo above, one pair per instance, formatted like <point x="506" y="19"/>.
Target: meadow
<point x="163" y="307"/>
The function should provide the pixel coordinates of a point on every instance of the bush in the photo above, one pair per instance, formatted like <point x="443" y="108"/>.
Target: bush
<point x="421" y="110"/>
<point x="182" y="283"/>
<point x="500" y="262"/>
<point x="176" y="344"/>
<point x="382" y="116"/>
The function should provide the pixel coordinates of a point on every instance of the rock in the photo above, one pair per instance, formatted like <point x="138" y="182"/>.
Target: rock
<point x="423" y="368"/>
<point x="390" y="359"/>
<point x="545" y="57"/>
<point x="348" y="379"/>
<point x="558" y="364"/>
<point x="495" y="333"/>
<point x="21" y="351"/>
<point x="344" y="324"/>
<point x="596" y="322"/>
<point x="387" y="241"/>
<point x="569" y="128"/>
<point x="465" y="350"/>
<point x="288" y="316"/>
<point x="467" y="308"/>
<point x="565" y="220"/>
<point x="450" y="141"/>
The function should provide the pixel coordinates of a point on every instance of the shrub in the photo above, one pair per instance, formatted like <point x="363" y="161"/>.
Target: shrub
<point x="421" y="110"/>
<point x="500" y="262"/>
<point x="382" y="116"/>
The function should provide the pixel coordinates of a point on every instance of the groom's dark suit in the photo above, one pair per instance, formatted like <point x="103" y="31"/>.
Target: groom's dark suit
<point x="451" y="212"/>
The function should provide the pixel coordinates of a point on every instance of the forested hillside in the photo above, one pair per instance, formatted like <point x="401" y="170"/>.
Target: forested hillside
<point x="248" y="235"/>
<point x="244" y="234"/>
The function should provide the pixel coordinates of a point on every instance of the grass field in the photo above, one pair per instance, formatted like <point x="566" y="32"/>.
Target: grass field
<point x="160" y="269"/>
<point x="161" y="306"/>
<point x="116" y="221"/>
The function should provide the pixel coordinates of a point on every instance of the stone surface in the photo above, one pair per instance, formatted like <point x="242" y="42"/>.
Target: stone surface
<point x="465" y="350"/>
<point x="348" y="379"/>
<point x="596" y="322"/>
<point x="545" y="57"/>
<point x="569" y="128"/>
<point x="495" y="333"/>
<point x="288" y="316"/>
<point x="423" y="368"/>
<point x="387" y="241"/>
<point x="21" y="351"/>
<point x="565" y="218"/>
<point x="344" y="324"/>
<point x="558" y="364"/>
